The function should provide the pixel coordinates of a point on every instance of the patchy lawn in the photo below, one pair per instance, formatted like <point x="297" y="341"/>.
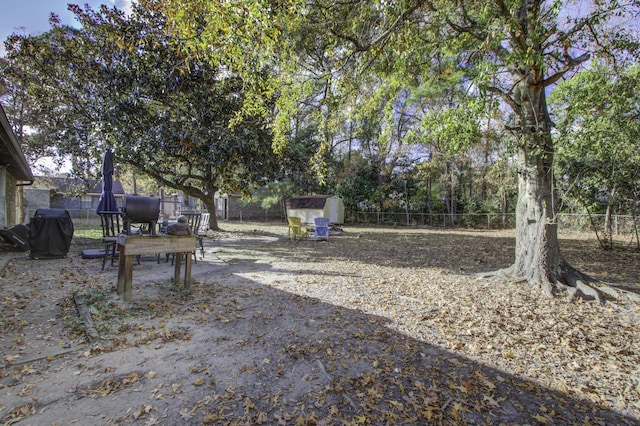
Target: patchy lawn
<point x="375" y="326"/>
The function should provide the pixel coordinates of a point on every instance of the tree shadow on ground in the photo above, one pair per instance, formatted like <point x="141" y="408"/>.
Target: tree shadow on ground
<point x="251" y="353"/>
<point x="299" y="357"/>
<point x="459" y="251"/>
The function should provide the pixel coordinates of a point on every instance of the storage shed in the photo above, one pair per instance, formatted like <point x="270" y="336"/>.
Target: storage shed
<point x="307" y="208"/>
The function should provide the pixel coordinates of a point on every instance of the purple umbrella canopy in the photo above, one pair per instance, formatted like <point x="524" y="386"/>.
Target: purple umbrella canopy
<point x="107" y="202"/>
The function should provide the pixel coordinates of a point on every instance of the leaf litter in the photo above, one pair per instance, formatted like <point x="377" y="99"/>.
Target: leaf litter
<point x="376" y="326"/>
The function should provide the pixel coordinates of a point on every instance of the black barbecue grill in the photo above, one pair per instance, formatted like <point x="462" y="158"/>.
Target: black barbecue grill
<point x="50" y="234"/>
<point x="141" y="210"/>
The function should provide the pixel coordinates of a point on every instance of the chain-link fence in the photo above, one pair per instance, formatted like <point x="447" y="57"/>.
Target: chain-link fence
<point x="475" y="220"/>
<point x="624" y="226"/>
<point x="619" y="224"/>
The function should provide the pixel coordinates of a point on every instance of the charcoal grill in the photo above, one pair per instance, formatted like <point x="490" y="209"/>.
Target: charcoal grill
<point x="142" y="210"/>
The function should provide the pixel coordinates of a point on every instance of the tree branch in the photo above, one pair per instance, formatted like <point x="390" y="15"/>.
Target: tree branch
<point x="359" y="47"/>
<point x="571" y="64"/>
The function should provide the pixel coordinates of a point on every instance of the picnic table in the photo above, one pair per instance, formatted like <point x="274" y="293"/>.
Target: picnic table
<point x="130" y="246"/>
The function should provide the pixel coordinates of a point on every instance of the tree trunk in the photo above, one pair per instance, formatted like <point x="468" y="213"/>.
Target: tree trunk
<point x="608" y="226"/>
<point x="210" y="202"/>
<point x="505" y="206"/>
<point x="537" y="256"/>
<point x="635" y="219"/>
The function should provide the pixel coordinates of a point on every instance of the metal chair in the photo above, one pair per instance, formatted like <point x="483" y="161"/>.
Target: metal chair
<point x="322" y="228"/>
<point x="110" y="229"/>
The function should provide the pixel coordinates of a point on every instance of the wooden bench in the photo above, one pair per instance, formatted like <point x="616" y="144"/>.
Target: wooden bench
<point x="130" y="246"/>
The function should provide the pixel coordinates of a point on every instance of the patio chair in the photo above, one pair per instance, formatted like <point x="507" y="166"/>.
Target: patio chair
<point x="322" y="228"/>
<point x="295" y="228"/>
<point x="110" y="222"/>
<point x="202" y="231"/>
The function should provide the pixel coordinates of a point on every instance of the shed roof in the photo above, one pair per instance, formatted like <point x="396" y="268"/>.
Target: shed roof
<point x="308" y="202"/>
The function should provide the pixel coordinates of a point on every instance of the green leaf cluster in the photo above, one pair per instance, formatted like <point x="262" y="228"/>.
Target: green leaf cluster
<point x="598" y="119"/>
<point x="129" y="83"/>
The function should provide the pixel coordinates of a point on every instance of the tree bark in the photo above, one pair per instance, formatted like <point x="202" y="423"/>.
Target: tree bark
<point x="209" y="201"/>
<point x="538" y="259"/>
<point x="608" y="225"/>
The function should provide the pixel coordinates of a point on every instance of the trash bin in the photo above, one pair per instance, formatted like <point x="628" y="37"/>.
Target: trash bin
<point x="50" y="234"/>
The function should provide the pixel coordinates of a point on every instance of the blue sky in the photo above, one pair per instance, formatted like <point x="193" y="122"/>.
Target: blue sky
<point x="32" y="16"/>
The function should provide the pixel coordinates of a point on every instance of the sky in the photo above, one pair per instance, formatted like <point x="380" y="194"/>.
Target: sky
<point x="32" y="16"/>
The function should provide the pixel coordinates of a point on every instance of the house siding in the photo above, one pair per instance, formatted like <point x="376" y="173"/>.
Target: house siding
<point x="12" y="211"/>
<point x="14" y="172"/>
<point x="13" y="217"/>
<point x="36" y="199"/>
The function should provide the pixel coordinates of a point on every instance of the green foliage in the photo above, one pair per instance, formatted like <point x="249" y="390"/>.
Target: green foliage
<point x="270" y="195"/>
<point x="598" y="133"/>
<point x="456" y="128"/>
<point x="127" y="83"/>
<point x="353" y="95"/>
<point x="360" y="189"/>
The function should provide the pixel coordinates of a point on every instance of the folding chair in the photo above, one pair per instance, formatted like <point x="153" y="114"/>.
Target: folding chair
<point x="202" y="231"/>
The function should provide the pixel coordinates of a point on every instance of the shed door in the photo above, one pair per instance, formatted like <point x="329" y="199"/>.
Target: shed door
<point x="333" y="210"/>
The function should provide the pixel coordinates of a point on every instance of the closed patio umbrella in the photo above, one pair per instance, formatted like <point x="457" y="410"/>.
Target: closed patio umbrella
<point x="107" y="201"/>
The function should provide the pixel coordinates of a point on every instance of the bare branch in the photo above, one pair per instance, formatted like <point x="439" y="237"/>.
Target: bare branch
<point x="571" y="64"/>
<point x="359" y="47"/>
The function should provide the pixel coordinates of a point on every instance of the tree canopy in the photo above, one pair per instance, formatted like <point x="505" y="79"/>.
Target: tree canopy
<point x="598" y="120"/>
<point x="126" y="83"/>
<point x="507" y="50"/>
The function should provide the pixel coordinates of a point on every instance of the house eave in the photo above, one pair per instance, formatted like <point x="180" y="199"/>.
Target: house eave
<point x="11" y="154"/>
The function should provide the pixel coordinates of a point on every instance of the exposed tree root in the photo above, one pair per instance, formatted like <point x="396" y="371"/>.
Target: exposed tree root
<point x="568" y="279"/>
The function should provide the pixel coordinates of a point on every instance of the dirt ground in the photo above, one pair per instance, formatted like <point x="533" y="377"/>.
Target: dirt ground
<point x="374" y="327"/>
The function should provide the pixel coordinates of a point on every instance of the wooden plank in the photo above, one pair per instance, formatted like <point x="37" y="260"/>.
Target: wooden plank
<point x="176" y="271"/>
<point x="133" y="245"/>
<point x="121" y="268"/>
<point x="153" y="244"/>
<point x="187" y="271"/>
<point x="128" y="278"/>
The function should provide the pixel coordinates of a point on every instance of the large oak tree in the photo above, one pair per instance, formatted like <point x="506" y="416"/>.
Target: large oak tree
<point x="514" y="50"/>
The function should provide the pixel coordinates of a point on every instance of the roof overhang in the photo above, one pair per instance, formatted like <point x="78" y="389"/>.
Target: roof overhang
<point x="308" y="202"/>
<point x="11" y="155"/>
